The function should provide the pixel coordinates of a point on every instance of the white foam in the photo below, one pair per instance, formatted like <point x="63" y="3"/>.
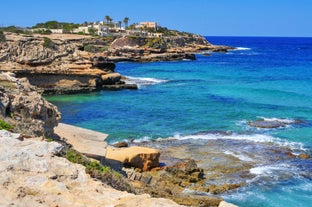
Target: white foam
<point x="282" y="120"/>
<point x="239" y="156"/>
<point x="143" y="81"/>
<point x="242" y="48"/>
<point x="261" y="138"/>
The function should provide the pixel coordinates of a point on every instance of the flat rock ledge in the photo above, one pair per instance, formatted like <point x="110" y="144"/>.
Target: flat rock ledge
<point x="88" y="142"/>
<point x="32" y="175"/>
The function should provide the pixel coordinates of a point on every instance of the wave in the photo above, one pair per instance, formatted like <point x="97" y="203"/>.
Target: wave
<point x="228" y="135"/>
<point x="242" y="48"/>
<point x="281" y="120"/>
<point x="143" y="81"/>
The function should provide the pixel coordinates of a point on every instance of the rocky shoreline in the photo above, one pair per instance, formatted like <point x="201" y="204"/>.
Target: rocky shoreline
<point x="68" y="63"/>
<point x="33" y="172"/>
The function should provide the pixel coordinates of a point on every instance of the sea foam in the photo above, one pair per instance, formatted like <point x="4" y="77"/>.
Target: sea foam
<point x="144" y="81"/>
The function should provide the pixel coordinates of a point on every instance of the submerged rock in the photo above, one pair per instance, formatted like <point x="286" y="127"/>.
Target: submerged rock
<point x="274" y="123"/>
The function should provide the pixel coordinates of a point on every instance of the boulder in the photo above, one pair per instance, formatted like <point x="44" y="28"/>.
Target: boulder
<point x="111" y="78"/>
<point x="143" y="158"/>
<point x="24" y="108"/>
<point x="120" y="144"/>
<point x="304" y="156"/>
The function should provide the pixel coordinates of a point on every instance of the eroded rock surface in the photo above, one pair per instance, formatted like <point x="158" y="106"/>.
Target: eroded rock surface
<point x="24" y="108"/>
<point x="32" y="175"/>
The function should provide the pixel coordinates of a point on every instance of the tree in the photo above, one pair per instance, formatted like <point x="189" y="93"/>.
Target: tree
<point x="126" y="21"/>
<point x="119" y="24"/>
<point x="92" y="31"/>
<point x="2" y="37"/>
<point x="108" y="19"/>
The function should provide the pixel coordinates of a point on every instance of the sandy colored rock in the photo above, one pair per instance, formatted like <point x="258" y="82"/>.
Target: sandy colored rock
<point x="139" y="157"/>
<point x="88" y="142"/>
<point x="226" y="204"/>
<point x="32" y="175"/>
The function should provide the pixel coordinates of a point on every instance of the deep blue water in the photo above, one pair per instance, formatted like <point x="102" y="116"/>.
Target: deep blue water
<point x="265" y="78"/>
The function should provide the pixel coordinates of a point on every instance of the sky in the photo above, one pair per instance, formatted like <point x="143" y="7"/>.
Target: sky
<point x="206" y="17"/>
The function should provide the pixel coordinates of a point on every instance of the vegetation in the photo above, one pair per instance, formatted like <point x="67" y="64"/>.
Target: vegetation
<point x="92" y="31"/>
<point x="126" y="21"/>
<point x="4" y="125"/>
<point x="67" y="27"/>
<point x="99" y="171"/>
<point x="169" y="32"/>
<point x="48" y="43"/>
<point x="156" y="42"/>
<point x="2" y="37"/>
<point x="43" y="31"/>
<point x="13" y="29"/>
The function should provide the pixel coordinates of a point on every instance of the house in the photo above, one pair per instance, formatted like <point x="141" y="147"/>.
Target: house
<point x="149" y="25"/>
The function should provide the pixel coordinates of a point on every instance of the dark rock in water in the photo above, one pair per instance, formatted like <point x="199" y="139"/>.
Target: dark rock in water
<point x="121" y="144"/>
<point x="213" y="132"/>
<point x="266" y="124"/>
<point x="275" y="123"/>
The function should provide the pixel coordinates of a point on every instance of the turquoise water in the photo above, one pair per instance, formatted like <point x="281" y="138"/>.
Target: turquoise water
<point x="265" y="78"/>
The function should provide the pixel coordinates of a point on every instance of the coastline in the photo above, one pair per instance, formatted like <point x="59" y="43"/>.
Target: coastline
<point x="79" y="64"/>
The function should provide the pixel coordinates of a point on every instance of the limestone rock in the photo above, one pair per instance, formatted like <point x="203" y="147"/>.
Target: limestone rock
<point x="32" y="175"/>
<point x="88" y="142"/>
<point x="226" y="204"/>
<point x="139" y="157"/>
<point x="62" y="67"/>
<point x="25" y="108"/>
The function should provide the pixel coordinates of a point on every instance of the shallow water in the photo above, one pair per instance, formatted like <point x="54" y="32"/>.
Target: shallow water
<point x="267" y="78"/>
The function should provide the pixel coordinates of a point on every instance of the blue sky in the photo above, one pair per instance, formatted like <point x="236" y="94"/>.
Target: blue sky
<point x="205" y="17"/>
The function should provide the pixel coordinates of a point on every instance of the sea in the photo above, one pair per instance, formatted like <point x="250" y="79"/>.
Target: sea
<point x="214" y="98"/>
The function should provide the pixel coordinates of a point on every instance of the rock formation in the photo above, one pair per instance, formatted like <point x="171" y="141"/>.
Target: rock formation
<point x="32" y="175"/>
<point x="24" y="108"/>
<point x="58" y="64"/>
<point x="67" y="63"/>
<point x="142" y="158"/>
<point x="148" y="49"/>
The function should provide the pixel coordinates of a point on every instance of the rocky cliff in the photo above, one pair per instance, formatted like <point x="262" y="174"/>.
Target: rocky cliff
<point x="24" y="108"/>
<point x="67" y="63"/>
<point x="58" y="64"/>
<point x="147" y="49"/>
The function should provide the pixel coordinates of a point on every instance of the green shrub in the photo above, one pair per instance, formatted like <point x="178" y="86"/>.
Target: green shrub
<point x="47" y="43"/>
<point x="5" y="125"/>
<point x="2" y="37"/>
<point x="96" y="170"/>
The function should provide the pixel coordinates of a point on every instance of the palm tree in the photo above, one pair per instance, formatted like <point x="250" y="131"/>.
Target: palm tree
<point x="119" y="24"/>
<point x="126" y="21"/>
<point x="107" y="18"/>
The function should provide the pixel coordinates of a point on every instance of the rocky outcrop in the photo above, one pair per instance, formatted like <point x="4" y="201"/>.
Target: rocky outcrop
<point x="274" y="123"/>
<point x="142" y="158"/>
<point x="149" y="49"/>
<point x="171" y="182"/>
<point x="32" y="175"/>
<point x="57" y="64"/>
<point x="24" y="108"/>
